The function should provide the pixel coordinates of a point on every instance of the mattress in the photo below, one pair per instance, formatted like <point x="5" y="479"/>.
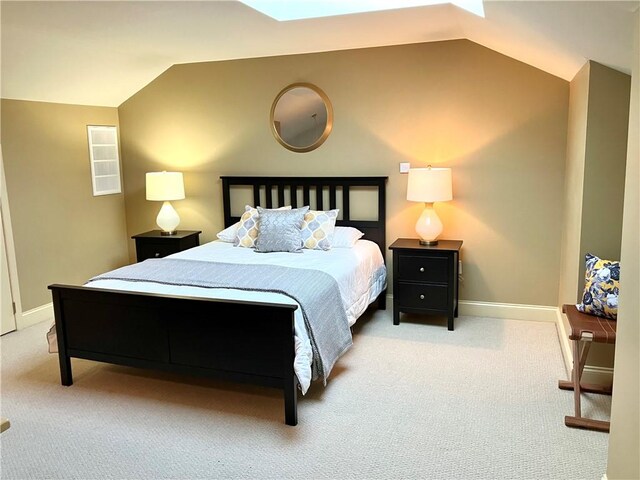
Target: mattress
<point x="359" y="272"/>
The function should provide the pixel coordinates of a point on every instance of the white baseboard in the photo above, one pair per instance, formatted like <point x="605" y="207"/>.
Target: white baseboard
<point x="513" y="311"/>
<point x="35" y="315"/>
<point x="565" y="344"/>
<point x="536" y="313"/>
<point x="598" y="375"/>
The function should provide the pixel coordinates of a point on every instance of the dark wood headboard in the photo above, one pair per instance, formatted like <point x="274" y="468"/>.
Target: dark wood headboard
<point x="269" y="192"/>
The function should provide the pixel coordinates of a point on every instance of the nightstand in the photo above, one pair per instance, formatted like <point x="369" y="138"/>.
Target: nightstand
<point x="425" y="278"/>
<point x="154" y="245"/>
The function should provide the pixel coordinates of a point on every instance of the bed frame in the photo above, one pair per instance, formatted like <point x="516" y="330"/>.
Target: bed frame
<point x="241" y="341"/>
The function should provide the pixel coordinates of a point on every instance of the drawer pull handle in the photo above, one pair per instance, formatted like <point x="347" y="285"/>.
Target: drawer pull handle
<point x="422" y="269"/>
<point x="157" y="255"/>
<point x="421" y="297"/>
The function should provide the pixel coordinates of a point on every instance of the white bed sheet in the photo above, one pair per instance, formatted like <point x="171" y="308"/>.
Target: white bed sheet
<point x="359" y="272"/>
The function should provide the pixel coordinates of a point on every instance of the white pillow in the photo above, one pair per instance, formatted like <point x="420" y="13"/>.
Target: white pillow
<point x="229" y="233"/>
<point x="345" y="237"/>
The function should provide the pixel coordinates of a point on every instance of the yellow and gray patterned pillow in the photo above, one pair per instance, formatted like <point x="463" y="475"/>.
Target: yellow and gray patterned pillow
<point x="602" y="284"/>
<point x="317" y="229"/>
<point x="248" y="229"/>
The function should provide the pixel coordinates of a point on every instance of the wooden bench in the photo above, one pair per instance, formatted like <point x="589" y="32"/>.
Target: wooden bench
<point x="585" y="329"/>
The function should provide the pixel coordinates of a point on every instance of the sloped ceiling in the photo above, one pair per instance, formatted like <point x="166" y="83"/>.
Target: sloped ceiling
<point x="101" y="53"/>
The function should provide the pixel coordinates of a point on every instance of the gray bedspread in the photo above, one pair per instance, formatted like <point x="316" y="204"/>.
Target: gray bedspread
<point x="316" y="292"/>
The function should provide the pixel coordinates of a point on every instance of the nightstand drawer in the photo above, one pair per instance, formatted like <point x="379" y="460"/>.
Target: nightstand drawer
<point x="155" y="250"/>
<point x="415" y="295"/>
<point x="423" y="268"/>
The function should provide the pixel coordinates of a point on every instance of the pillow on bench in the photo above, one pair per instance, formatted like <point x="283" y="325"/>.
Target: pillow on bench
<point x="601" y="287"/>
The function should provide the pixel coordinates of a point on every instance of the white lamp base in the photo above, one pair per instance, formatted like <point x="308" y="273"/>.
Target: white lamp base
<point x="168" y="219"/>
<point x="428" y="226"/>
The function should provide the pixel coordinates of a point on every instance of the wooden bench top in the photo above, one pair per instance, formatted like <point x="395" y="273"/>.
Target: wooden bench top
<point x="602" y="330"/>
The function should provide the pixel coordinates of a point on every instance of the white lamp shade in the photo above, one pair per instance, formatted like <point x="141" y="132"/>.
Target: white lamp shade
<point x="165" y="186"/>
<point x="429" y="185"/>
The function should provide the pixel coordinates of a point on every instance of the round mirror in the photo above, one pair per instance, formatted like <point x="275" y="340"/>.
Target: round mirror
<point x="301" y="117"/>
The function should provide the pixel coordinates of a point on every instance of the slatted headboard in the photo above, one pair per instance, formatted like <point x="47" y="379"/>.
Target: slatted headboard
<point x="271" y="192"/>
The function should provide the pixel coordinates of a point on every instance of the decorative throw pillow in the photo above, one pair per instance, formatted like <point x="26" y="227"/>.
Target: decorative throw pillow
<point x="601" y="286"/>
<point x="248" y="229"/>
<point x="279" y="230"/>
<point x="345" y="237"/>
<point x="229" y="234"/>
<point x="317" y="229"/>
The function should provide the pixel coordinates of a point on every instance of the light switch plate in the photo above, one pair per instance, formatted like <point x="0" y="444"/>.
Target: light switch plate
<point x="404" y="167"/>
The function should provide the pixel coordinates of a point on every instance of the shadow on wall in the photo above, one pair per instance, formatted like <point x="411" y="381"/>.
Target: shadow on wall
<point x="509" y="211"/>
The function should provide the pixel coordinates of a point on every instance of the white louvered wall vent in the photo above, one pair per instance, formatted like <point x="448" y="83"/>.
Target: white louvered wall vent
<point x="105" y="163"/>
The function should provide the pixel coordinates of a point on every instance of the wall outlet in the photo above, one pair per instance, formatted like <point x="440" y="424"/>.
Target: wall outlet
<point x="404" y="167"/>
<point x="459" y="267"/>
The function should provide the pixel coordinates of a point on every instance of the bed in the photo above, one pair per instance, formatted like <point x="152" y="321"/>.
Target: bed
<point x="250" y="340"/>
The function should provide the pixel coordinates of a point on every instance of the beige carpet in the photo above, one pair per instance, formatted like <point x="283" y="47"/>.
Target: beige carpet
<point x="408" y="401"/>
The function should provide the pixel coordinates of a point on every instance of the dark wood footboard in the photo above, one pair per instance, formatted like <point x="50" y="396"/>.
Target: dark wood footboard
<point x="236" y="340"/>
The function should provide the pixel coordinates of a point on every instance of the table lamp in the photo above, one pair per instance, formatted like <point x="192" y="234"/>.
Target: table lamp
<point x="165" y="187"/>
<point x="429" y="185"/>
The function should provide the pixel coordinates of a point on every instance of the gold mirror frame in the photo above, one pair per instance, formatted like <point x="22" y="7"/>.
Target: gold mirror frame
<point x="327" y="128"/>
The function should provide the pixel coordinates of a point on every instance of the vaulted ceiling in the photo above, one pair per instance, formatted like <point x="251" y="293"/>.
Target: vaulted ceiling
<point x="103" y="52"/>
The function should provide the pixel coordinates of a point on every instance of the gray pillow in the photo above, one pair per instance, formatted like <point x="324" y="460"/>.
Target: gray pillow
<point x="279" y="230"/>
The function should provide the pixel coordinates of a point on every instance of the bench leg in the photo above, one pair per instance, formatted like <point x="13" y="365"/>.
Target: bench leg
<point x="585" y="387"/>
<point x="575" y="375"/>
<point x="578" y="421"/>
<point x="587" y="423"/>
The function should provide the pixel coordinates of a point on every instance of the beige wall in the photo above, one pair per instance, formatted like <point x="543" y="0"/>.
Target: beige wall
<point x="594" y="184"/>
<point x="595" y="172"/>
<point x="61" y="232"/>
<point x="605" y="161"/>
<point x="573" y="187"/>
<point x="604" y="176"/>
<point x="500" y="124"/>
<point x="624" y="440"/>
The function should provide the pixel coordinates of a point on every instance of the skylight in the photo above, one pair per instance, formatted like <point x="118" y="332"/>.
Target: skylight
<point x="285" y="10"/>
